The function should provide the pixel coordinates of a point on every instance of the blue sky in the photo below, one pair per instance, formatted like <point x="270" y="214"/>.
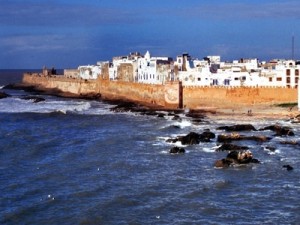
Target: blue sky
<point x="66" y="34"/>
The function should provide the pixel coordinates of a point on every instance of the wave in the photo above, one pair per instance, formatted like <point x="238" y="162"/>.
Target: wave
<point x="17" y="105"/>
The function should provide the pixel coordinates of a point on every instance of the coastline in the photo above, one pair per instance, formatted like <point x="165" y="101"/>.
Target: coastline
<point x="244" y="112"/>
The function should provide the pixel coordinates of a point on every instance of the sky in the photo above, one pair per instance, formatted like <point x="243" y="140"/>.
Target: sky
<point x="69" y="33"/>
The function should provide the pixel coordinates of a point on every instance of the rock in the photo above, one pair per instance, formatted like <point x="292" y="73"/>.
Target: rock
<point x="222" y="163"/>
<point x="176" y="117"/>
<point x="3" y="95"/>
<point x="280" y="131"/>
<point x="270" y="148"/>
<point x="236" y="158"/>
<point x="193" y="138"/>
<point x="190" y="139"/>
<point x="238" y="137"/>
<point x="231" y="147"/>
<point x="288" y="167"/>
<point x="289" y="142"/>
<point x="196" y="114"/>
<point x="176" y="150"/>
<point x="208" y="135"/>
<point x="35" y="99"/>
<point x="239" y="127"/>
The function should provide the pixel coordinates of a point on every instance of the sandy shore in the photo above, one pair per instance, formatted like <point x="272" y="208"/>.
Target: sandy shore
<point x="253" y="112"/>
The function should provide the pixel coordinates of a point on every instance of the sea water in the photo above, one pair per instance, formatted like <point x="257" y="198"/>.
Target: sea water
<point x="74" y="161"/>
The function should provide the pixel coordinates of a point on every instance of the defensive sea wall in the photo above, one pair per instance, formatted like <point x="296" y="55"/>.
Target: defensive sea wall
<point x="160" y="95"/>
<point x="170" y="95"/>
<point x="197" y="97"/>
<point x="60" y="83"/>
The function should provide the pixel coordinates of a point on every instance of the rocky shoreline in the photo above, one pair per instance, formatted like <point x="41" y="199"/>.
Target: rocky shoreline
<point x="237" y="155"/>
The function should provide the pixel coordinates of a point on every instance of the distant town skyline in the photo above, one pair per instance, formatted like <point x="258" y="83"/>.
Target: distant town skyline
<point x="65" y="34"/>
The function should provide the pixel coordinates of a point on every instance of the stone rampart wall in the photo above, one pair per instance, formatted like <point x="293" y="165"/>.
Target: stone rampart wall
<point x="167" y="95"/>
<point x="196" y="97"/>
<point x="144" y="93"/>
<point x="64" y="84"/>
<point x="162" y="95"/>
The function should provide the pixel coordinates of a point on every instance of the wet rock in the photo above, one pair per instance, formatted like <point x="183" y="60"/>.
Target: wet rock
<point x="35" y="99"/>
<point x="279" y="130"/>
<point x="123" y="107"/>
<point x="270" y="148"/>
<point x="193" y="138"/>
<point x="207" y="135"/>
<point x="3" y="95"/>
<point x="196" y="114"/>
<point x="177" y="150"/>
<point x="91" y="96"/>
<point x="231" y="147"/>
<point x="190" y="139"/>
<point x="288" y="167"/>
<point x="238" y="127"/>
<point x="160" y="115"/>
<point x="197" y="121"/>
<point x="293" y="142"/>
<point x="236" y="158"/>
<point x="177" y="118"/>
<point x="222" y="163"/>
<point x="237" y="137"/>
<point x="295" y="119"/>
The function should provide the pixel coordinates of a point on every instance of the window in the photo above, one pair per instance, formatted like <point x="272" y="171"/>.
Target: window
<point x="199" y="79"/>
<point x="236" y="78"/>
<point x="270" y="79"/>
<point x="288" y="72"/>
<point x="296" y="80"/>
<point x="278" y="79"/>
<point x="288" y="80"/>
<point x="297" y="72"/>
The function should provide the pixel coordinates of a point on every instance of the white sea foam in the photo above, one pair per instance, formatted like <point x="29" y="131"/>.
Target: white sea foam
<point x="183" y="124"/>
<point x="208" y="150"/>
<point x="16" y="105"/>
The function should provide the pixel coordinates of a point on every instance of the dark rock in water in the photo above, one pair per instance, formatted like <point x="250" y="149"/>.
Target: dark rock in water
<point x="238" y="137"/>
<point x="193" y="138"/>
<point x="270" y="148"/>
<point x="176" y="117"/>
<point x="280" y="131"/>
<point x="231" y="147"/>
<point x="222" y="163"/>
<point x="206" y="136"/>
<point x="288" y="167"/>
<point x="236" y="158"/>
<point x="195" y="114"/>
<point x="239" y="127"/>
<point x="22" y="87"/>
<point x="197" y="121"/>
<point x="176" y="150"/>
<point x="289" y="142"/>
<point x="35" y="99"/>
<point x="3" y="95"/>
<point x="190" y="139"/>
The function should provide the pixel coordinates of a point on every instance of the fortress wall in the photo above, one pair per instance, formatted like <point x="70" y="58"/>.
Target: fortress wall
<point x="167" y="95"/>
<point x="163" y="95"/>
<point x="144" y="93"/>
<point x="224" y="97"/>
<point x="64" y="84"/>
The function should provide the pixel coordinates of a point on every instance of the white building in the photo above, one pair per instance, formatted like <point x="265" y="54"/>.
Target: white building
<point x="153" y="70"/>
<point x="89" y="72"/>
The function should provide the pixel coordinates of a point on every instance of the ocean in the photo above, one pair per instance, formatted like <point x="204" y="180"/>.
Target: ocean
<point x="75" y="161"/>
